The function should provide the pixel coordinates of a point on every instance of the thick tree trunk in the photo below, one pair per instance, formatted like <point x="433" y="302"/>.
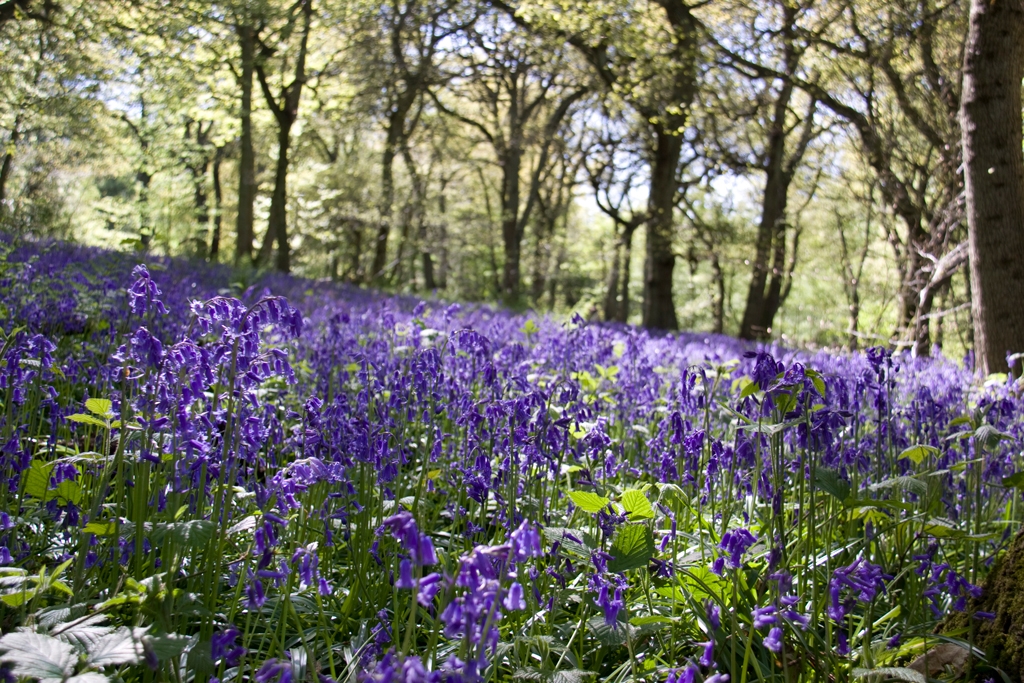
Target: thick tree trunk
<point x="659" y="311"/>
<point x="277" y="226"/>
<point x="218" y="210"/>
<point x="244" y="222"/>
<point x="1002" y="638"/>
<point x="387" y="192"/>
<point x="511" y="229"/>
<point x="990" y="117"/>
<point x="756" y="320"/>
<point x="8" y="162"/>
<point x="286" y="112"/>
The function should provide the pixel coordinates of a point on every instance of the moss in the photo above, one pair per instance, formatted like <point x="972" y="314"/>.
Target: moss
<point x="1002" y="638"/>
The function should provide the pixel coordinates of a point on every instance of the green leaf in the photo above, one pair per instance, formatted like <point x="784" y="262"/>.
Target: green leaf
<point x="87" y="419"/>
<point x="1015" y="481"/>
<point x="886" y="673"/>
<point x="632" y="547"/>
<point x="83" y="633"/>
<point x="101" y="528"/>
<point x="610" y="636"/>
<point x="37" y="479"/>
<point x="637" y="505"/>
<point x="650" y="620"/>
<point x="166" y="646"/>
<point x="909" y="484"/>
<point x="828" y="480"/>
<point x="989" y="436"/>
<point x="589" y="502"/>
<point x="196" y="532"/>
<point x="750" y="387"/>
<point x="532" y="673"/>
<point x="567" y="538"/>
<point x="37" y="656"/>
<point x="918" y="453"/>
<point x="100" y="406"/>
<point x="116" y="648"/>
<point x="817" y="381"/>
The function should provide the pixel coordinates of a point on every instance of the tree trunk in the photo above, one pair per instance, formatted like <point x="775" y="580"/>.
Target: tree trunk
<point x="277" y="226"/>
<point x="773" y="214"/>
<point x="611" y="297"/>
<point x="718" y="302"/>
<point x="244" y="221"/>
<point x="442" y="236"/>
<point x="218" y="211"/>
<point x="202" y="205"/>
<point x="1002" y="638"/>
<point x="387" y="191"/>
<point x="659" y="310"/>
<point x="511" y="233"/>
<point x="8" y="162"/>
<point x="143" y="178"/>
<point x="990" y="117"/>
<point x="627" y="260"/>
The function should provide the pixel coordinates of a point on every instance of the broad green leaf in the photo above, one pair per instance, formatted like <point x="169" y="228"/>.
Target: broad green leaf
<point x="572" y="540"/>
<point x="1015" y="481"/>
<point x="909" y="484"/>
<point x="532" y="673"/>
<point x="918" y="453"/>
<point x="37" y="479"/>
<point x="166" y="646"/>
<point x="100" y="406"/>
<point x="829" y="481"/>
<point x="589" y="502"/>
<point x="88" y="677"/>
<point x="749" y="387"/>
<point x="101" y="528"/>
<point x="632" y="547"/>
<point x="613" y="635"/>
<point x="195" y="533"/>
<point x="817" y="381"/>
<point x="37" y="656"/>
<point x="887" y="673"/>
<point x="116" y="648"/>
<point x="87" y="419"/>
<point x="989" y="436"/>
<point x="637" y="505"/>
<point x="83" y="633"/>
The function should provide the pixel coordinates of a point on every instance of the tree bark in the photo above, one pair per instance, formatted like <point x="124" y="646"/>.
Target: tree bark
<point x="990" y="114"/>
<point x="8" y="162"/>
<point x="244" y="221"/>
<point x="611" y="297"/>
<point x="718" y="302"/>
<point x="277" y="225"/>
<point x="511" y="234"/>
<point x="286" y="111"/>
<point x="218" y="210"/>
<point x="659" y="310"/>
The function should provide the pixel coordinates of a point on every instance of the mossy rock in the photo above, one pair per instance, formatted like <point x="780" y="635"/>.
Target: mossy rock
<point x="1002" y="638"/>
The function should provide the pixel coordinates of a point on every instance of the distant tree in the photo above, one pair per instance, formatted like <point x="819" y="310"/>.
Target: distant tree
<point x="515" y="91"/>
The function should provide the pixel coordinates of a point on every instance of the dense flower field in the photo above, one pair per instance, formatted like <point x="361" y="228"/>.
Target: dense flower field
<point x="294" y="481"/>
